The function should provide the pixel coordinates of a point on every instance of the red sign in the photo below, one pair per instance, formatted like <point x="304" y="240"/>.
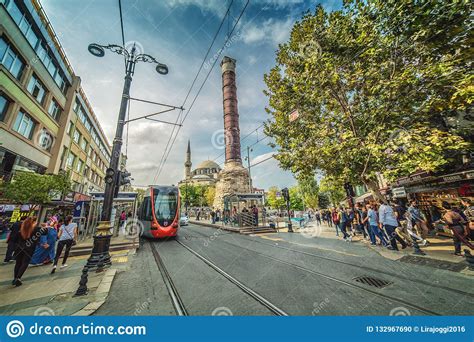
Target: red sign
<point x="294" y="115"/>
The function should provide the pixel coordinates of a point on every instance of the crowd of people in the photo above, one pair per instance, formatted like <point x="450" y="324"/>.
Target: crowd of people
<point x="390" y="224"/>
<point x="32" y="243"/>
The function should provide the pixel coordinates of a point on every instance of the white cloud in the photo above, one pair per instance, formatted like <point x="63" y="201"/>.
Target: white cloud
<point x="270" y="31"/>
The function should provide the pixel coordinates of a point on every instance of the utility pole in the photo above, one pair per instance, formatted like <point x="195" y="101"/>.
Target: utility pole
<point x="100" y="251"/>
<point x="248" y="165"/>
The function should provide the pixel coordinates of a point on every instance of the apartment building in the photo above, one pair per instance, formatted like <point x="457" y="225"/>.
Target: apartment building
<point x="46" y="121"/>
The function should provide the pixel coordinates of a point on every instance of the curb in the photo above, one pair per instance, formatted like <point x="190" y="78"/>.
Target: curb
<point x="102" y="290"/>
<point x="216" y="226"/>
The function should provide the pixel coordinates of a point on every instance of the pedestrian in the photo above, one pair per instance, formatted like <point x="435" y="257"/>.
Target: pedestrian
<point x="26" y="242"/>
<point x="318" y="217"/>
<point x="418" y="219"/>
<point x="198" y="214"/>
<point x="457" y="225"/>
<point x="11" y="238"/>
<point x="255" y="215"/>
<point x="365" y="223"/>
<point x="468" y="210"/>
<point x="45" y="249"/>
<point x="336" y="218"/>
<point x="213" y="216"/>
<point x="388" y="221"/>
<point x="374" y="224"/>
<point x="358" y="220"/>
<point x="67" y="236"/>
<point x="345" y="221"/>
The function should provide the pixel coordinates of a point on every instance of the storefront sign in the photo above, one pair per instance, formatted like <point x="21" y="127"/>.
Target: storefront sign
<point x="399" y="192"/>
<point x="78" y="209"/>
<point x="6" y="207"/>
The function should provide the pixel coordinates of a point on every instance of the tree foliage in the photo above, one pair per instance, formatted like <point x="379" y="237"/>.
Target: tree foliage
<point x="35" y="189"/>
<point x="333" y="189"/>
<point x="373" y="83"/>
<point x="273" y="201"/>
<point x="196" y="195"/>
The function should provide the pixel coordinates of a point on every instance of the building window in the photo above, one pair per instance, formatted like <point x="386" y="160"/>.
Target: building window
<point x="84" y="144"/>
<point x="54" y="109"/>
<point x="69" y="128"/>
<point x="4" y="104"/>
<point x="37" y="89"/>
<point x="79" y="165"/>
<point x="10" y="59"/>
<point x="76" y="136"/>
<point x="70" y="159"/>
<point x="24" y="125"/>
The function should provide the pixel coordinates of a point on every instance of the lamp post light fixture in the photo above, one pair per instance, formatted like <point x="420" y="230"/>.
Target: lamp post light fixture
<point x="100" y="252"/>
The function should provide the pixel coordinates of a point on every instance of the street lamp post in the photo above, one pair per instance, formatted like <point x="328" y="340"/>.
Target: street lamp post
<point x="100" y="252"/>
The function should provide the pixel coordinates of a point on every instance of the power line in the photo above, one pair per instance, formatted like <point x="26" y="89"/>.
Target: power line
<point x="202" y="85"/>
<point x="264" y="160"/>
<point x="189" y="92"/>
<point x="245" y="137"/>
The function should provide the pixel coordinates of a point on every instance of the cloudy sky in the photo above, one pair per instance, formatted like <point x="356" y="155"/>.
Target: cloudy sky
<point x="178" y="33"/>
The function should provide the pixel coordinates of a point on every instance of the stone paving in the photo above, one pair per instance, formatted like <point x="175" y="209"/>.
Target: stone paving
<point x="43" y="294"/>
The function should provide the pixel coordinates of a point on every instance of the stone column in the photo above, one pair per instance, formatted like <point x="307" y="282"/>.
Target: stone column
<point x="234" y="178"/>
<point x="231" y="112"/>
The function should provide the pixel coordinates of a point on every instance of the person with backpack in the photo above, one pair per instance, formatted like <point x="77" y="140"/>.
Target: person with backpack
<point x="25" y="242"/>
<point x="345" y="222"/>
<point x="67" y="236"/>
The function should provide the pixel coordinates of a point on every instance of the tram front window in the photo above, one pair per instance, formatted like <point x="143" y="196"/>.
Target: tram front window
<point x="166" y="203"/>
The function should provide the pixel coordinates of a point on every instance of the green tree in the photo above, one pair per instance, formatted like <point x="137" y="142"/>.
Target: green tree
<point x="35" y="189"/>
<point x="210" y="194"/>
<point x="296" y="199"/>
<point x="309" y="191"/>
<point x="334" y="190"/>
<point x="273" y="201"/>
<point x="323" y="201"/>
<point x="367" y="101"/>
<point x="195" y="195"/>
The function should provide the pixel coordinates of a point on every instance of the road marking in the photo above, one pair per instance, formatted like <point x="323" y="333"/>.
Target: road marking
<point x="122" y="259"/>
<point x="269" y="238"/>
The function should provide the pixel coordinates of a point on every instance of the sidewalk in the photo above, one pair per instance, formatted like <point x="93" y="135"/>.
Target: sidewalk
<point x="439" y="253"/>
<point x="43" y="294"/>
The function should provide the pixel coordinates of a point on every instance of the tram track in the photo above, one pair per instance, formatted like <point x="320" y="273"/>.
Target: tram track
<point x="262" y="300"/>
<point x="376" y="270"/>
<point x="176" y="300"/>
<point x="340" y="281"/>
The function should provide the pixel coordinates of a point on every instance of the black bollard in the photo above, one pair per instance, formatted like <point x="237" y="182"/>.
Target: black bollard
<point x="82" y="289"/>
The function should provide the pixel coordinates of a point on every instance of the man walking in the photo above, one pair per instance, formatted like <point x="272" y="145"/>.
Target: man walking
<point x="389" y="222"/>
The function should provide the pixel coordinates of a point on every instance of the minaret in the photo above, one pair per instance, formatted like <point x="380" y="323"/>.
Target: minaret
<point x="187" y="163"/>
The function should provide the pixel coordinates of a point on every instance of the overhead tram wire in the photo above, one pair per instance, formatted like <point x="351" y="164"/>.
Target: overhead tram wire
<point x="245" y="137"/>
<point x="205" y="80"/>
<point x="202" y="85"/>
<point x="190" y="89"/>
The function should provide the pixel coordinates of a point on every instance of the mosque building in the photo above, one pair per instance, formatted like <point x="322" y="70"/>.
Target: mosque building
<point x="204" y="174"/>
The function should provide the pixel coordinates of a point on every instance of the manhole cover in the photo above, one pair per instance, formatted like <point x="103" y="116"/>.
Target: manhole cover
<point x="371" y="281"/>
